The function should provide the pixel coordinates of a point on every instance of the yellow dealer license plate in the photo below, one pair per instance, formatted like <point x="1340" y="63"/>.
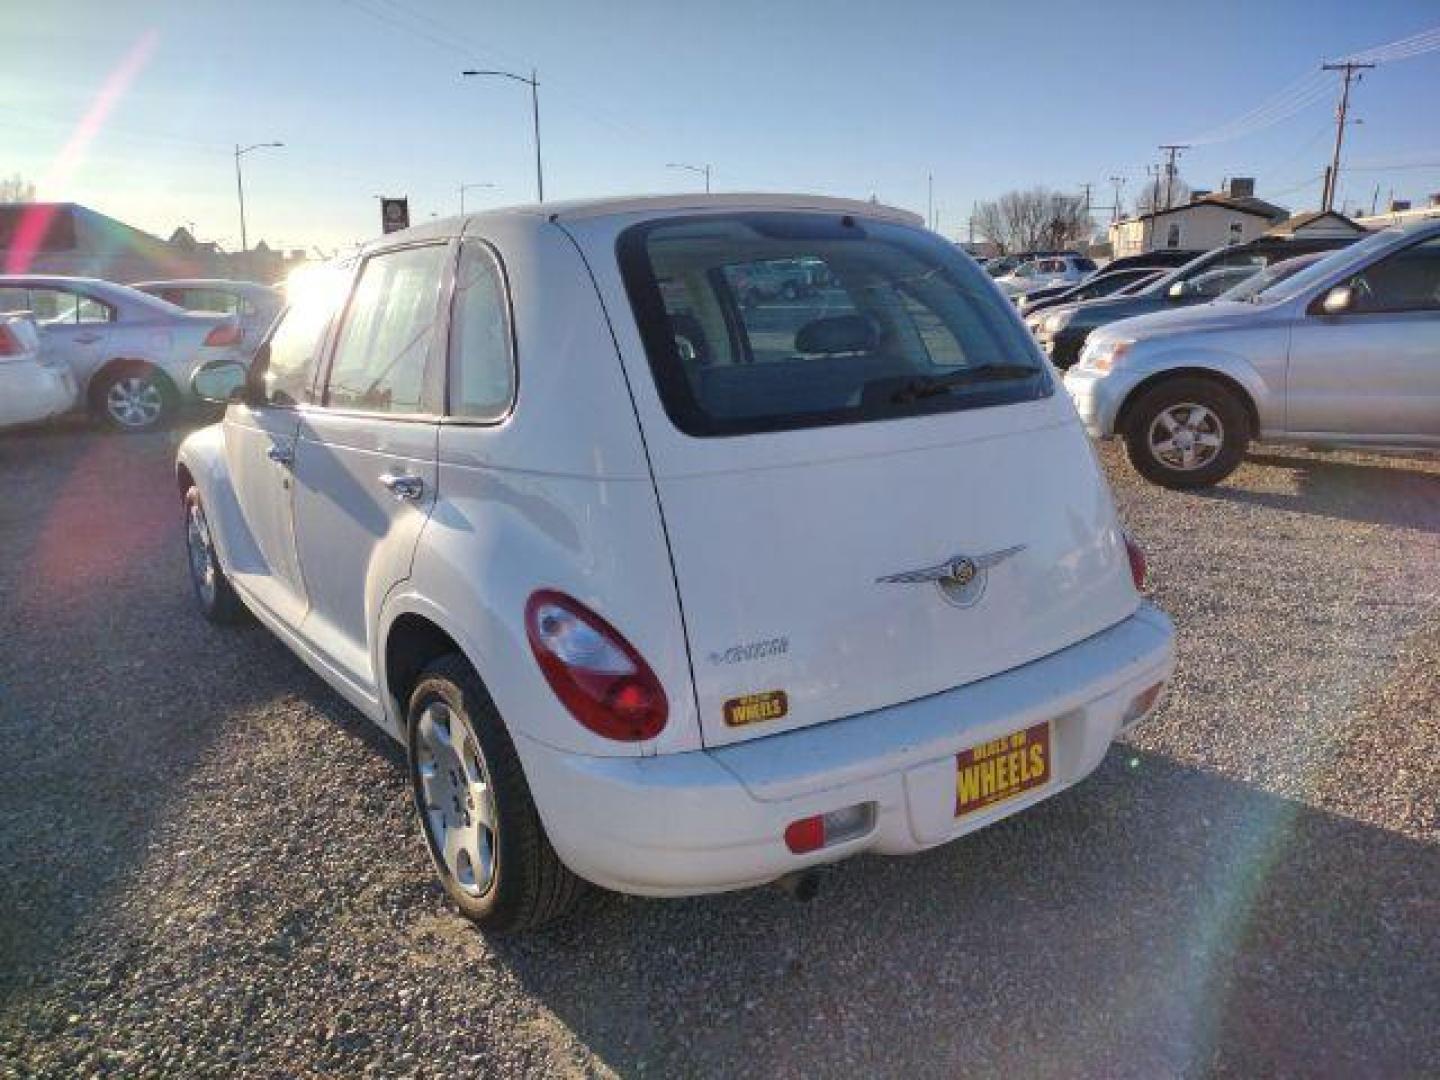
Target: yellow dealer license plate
<point x="1001" y="769"/>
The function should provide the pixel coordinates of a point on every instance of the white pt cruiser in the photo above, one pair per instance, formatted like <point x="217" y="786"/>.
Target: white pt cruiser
<point x="664" y="591"/>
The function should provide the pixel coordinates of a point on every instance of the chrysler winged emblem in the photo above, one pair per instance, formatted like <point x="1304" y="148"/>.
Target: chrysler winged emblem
<point x="960" y="578"/>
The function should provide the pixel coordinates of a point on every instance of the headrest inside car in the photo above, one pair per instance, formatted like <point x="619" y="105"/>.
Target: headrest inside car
<point x="837" y="334"/>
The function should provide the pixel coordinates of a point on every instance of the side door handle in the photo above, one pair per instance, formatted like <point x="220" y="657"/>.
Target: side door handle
<point x="87" y="339"/>
<point x="403" y="486"/>
<point x="280" y="454"/>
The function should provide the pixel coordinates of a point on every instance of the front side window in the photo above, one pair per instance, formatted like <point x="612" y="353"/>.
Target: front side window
<point x="383" y="345"/>
<point x="887" y="322"/>
<point x="482" y="365"/>
<point x="296" y="339"/>
<point x="1409" y="280"/>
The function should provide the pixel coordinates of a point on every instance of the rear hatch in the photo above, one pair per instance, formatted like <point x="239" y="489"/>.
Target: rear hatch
<point x="874" y="493"/>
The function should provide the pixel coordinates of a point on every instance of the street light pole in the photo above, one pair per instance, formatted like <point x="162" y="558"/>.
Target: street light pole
<point x="240" y="184"/>
<point x="702" y="170"/>
<point x="534" y="83"/>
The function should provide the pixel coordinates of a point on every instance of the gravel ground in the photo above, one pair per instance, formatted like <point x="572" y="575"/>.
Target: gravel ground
<point x="209" y="866"/>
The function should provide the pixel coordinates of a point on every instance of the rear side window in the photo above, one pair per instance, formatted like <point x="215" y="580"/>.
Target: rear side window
<point x="482" y="363"/>
<point x="384" y="342"/>
<point x="772" y="321"/>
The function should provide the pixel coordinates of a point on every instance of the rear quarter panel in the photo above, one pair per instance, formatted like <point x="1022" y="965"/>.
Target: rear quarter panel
<point x="558" y="495"/>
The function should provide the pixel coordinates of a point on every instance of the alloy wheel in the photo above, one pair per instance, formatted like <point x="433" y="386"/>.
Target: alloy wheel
<point x="134" y="401"/>
<point x="458" y="801"/>
<point x="198" y="546"/>
<point x="1186" y="436"/>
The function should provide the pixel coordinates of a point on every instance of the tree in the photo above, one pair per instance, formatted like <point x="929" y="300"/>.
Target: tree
<point x="16" y="189"/>
<point x="1033" y="220"/>
<point x="1147" y="200"/>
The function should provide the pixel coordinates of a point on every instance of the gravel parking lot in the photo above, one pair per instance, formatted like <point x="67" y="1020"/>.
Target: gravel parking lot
<point x="209" y="866"/>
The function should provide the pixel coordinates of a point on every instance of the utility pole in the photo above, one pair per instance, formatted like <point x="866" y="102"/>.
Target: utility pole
<point x="1348" y="71"/>
<point x="1119" y="182"/>
<point x="1087" y="188"/>
<point x="930" y="200"/>
<point x="1171" y="149"/>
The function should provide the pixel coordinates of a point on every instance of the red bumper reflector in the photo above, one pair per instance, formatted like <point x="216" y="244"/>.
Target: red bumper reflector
<point x="807" y="834"/>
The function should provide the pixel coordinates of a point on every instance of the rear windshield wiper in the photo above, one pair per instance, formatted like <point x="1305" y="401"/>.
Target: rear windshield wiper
<point x="924" y="386"/>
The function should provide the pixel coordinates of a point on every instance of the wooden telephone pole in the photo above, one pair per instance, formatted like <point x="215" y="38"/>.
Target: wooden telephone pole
<point x="1348" y="71"/>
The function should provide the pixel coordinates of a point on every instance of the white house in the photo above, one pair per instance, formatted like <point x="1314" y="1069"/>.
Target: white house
<point x="1206" y="221"/>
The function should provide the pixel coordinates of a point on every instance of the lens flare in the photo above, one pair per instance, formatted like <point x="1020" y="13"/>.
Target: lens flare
<point x="35" y="222"/>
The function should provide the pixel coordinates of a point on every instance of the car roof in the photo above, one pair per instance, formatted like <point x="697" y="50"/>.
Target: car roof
<point x="658" y="205"/>
<point x="207" y="283"/>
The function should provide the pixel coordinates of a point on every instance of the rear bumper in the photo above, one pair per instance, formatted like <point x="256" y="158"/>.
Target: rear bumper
<point x="712" y="820"/>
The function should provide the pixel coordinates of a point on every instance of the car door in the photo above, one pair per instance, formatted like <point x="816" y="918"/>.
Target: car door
<point x="260" y="454"/>
<point x="74" y="328"/>
<point x="1372" y="372"/>
<point x="365" y="457"/>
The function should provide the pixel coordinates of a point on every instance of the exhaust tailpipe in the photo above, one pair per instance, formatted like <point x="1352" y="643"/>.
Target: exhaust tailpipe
<point x="801" y="885"/>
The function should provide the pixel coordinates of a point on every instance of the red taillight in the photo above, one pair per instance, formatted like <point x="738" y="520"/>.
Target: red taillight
<point x="9" y="343"/>
<point x="1139" y="569"/>
<point x="807" y="834"/>
<point x="597" y="675"/>
<point x="223" y="335"/>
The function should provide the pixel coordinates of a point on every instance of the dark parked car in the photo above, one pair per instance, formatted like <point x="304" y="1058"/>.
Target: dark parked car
<point x="1105" y="283"/>
<point x="1169" y="258"/>
<point x="1063" y="330"/>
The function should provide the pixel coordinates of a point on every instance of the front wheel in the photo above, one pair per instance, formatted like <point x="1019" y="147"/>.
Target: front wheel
<point x="1187" y="433"/>
<point x="479" y="821"/>
<point x="133" y="398"/>
<point x="213" y="592"/>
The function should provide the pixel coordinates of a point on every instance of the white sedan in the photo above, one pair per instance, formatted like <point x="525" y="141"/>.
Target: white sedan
<point x="32" y="388"/>
<point x="131" y="355"/>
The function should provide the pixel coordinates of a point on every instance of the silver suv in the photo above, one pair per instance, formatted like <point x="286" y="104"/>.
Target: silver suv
<point x="1345" y="352"/>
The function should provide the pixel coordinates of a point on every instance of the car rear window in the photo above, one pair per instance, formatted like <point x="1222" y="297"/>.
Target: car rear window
<point x="774" y="321"/>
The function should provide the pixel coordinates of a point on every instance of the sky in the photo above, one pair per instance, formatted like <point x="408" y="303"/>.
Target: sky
<point x="134" y="108"/>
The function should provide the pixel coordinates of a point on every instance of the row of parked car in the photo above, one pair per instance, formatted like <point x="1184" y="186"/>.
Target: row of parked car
<point x="1321" y="341"/>
<point x="124" y="353"/>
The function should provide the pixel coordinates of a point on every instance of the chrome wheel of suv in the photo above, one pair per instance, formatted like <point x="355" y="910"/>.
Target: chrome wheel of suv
<point x="1186" y="436"/>
<point x="459" y="806"/>
<point x="1186" y="431"/>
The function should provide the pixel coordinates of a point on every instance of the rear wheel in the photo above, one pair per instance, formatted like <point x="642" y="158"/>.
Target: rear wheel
<point x="479" y="821"/>
<point x="133" y="398"/>
<point x="1187" y="433"/>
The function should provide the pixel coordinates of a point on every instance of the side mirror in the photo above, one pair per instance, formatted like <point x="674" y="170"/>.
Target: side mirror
<point x="1178" y="291"/>
<point x="1338" y="300"/>
<point x="220" y="381"/>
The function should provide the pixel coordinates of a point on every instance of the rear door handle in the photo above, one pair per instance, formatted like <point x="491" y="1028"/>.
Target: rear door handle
<point x="403" y="486"/>
<point x="87" y="339"/>
<point x="281" y="455"/>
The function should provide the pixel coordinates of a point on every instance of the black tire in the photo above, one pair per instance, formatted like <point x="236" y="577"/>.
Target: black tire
<point x="215" y="595"/>
<point x="141" y="380"/>
<point x="529" y="885"/>
<point x="1226" y="413"/>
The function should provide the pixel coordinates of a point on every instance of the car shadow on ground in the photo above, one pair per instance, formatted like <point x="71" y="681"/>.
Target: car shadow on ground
<point x="1385" y="493"/>
<point x="1051" y="944"/>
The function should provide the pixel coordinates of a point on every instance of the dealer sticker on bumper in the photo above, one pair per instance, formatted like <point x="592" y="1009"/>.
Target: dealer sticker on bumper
<point x="1001" y="769"/>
